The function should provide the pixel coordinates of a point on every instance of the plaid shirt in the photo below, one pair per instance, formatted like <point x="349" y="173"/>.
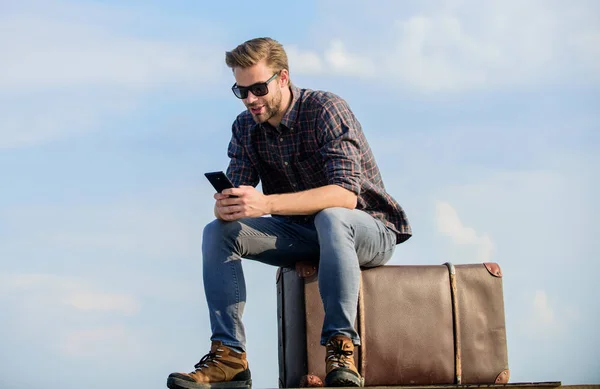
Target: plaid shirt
<point x="318" y="142"/>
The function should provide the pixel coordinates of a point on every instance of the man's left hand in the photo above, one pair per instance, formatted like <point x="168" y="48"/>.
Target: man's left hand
<point x="248" y="203"/>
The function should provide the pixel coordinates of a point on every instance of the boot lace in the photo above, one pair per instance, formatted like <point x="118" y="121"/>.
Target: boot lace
<point x="337" y="354"/>
<point x="211" y="357"/>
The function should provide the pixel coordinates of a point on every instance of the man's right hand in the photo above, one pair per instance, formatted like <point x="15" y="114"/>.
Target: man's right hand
<point x="241" y="202"/>
<point x="220" y="210"/>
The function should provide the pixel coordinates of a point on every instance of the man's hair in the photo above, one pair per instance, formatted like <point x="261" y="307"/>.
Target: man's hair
<point x="255" y="50"/>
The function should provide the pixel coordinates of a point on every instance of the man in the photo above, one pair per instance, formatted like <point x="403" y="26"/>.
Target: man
<point x="324" y="193"/>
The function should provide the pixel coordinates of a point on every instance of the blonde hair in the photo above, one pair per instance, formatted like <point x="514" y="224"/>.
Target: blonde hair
<point x="255" y="50"/>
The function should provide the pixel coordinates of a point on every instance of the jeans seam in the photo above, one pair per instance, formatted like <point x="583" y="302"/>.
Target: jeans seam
<point x="294" y="238"/>
<point x="282" y="233"/>
<point x="385" y="233"/>
<point x="237" y="299"/>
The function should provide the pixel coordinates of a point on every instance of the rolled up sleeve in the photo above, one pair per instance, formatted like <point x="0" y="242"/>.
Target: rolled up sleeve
<point x="340" y="145"/>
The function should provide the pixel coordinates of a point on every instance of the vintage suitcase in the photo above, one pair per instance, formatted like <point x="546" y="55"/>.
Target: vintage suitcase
<point x="419" y="325"/>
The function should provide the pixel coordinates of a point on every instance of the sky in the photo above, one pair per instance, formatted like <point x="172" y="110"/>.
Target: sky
<point x="483" y="117"/>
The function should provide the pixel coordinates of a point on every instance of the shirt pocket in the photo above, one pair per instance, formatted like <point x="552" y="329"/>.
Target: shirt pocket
<point x="311" y="171"/>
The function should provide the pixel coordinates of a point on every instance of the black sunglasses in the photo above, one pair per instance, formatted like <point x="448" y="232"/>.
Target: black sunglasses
<point x="258" y="89"/>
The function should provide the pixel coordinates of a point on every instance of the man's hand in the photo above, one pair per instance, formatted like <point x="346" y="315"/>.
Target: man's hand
<point x="248" y="202"/>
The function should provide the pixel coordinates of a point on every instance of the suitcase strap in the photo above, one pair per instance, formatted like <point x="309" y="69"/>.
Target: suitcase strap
<point x="456" y="326"/>
<point x="308" y="269"/>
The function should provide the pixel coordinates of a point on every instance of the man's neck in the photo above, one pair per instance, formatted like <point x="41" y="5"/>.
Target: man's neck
<point x="285" y="106"/>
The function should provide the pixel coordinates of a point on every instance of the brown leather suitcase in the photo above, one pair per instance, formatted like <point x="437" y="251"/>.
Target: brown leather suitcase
<point x="419" y="325"/>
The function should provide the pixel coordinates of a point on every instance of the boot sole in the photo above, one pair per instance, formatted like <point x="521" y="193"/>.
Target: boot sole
<point x="343" y="379"/>
<point x="178" y="383"/>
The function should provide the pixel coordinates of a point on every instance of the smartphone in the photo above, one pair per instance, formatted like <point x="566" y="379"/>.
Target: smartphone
<point x="219" y="181"/>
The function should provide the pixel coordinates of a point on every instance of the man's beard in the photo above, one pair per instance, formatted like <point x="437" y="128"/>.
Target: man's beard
<point x="271" y="108"/>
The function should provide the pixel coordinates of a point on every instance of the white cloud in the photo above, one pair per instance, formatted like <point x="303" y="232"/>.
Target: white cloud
<point x="31" y="120"/>
<point x="543" y="314"/>
<point x="335" y="60"/>
<point x="304" y="62"/>
<point x="115" y="312"/>
<point x="63" y="292"/>
<point x="461" y="45"/>
<point x="342" y="62"/>
<point x="145" y="231"/>
<point x="436" y="53"/>
<point x="108" y="342"/>
<point x="24" y="282"/>
<point x="163" y="224"/>
<point x="42" y="51"/>
<point x="67" y="69"/>
<point x="449" y="224"/>
<point x="70" y="315"/>
<point x="104" y="302"/>
<point x="546" y="320"/>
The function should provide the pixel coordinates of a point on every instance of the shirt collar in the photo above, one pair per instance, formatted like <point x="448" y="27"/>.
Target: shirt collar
<point x="290" y="116"/>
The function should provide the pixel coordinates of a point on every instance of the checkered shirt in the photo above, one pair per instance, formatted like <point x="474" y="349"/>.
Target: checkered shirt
<point x="318" y="142"/>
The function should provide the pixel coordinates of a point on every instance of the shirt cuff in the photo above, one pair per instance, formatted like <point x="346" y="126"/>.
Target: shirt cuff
<point x="349" y="183"/>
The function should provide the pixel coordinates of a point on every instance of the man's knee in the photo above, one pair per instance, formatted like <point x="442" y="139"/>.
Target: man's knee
<point x="332" y="218"/>
<point x="219" y="231"/>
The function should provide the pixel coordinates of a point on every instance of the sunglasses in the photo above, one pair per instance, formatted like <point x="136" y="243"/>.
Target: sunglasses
<point x="258" y="89"/>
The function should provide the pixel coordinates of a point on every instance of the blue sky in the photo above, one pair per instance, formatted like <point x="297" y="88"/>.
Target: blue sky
<point x="483" y="117"/>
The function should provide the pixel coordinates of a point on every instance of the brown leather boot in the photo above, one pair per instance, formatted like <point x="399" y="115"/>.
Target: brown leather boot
<point x="220" y="368"/>
<point x="340" y="368"/>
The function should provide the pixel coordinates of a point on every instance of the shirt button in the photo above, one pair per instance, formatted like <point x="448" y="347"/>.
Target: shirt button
<point x="281" y="139"/>
<point x="285" y="163"/>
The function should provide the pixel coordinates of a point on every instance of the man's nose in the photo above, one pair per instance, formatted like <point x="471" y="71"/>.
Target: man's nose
<point x="251" y="98"/>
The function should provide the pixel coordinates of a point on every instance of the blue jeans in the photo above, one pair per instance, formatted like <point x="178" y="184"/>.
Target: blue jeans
<point x="342" y="240"/>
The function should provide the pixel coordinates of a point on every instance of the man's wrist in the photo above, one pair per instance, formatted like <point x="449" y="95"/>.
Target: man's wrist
<point x="270" y="204"/>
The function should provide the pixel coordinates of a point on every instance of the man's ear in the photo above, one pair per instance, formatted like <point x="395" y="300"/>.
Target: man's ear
<point x="284" y="78"/>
